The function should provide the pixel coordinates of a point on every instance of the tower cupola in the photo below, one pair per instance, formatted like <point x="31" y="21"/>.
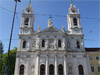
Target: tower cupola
<point x="72" y="9"/>
<point x="29" y="9"/>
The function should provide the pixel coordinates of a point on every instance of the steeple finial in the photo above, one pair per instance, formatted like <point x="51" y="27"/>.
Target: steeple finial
<point x="71" y="1"/>
<point x="50" y="16"/>
<point x="29" y="1"/>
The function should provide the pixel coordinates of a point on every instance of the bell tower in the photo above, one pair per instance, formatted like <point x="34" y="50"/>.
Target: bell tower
<point x="27" y="22"/>
<point x="73" y="19"/>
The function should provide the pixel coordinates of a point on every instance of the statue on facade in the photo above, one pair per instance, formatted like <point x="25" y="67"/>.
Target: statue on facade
<point x="32" y="69"/>
<point x="55" y="45"/>
<point x="38" y="45"/>
<point x="70" y="69"/>
<point x="47" y="45"/>
<point x="63" y="28"/>
<point x="38" y="28"/>
<point x="63" y="45"/>
<point x="34" y="43"/>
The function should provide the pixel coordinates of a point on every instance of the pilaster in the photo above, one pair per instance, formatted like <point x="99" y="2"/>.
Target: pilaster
<point x="37" y="63"/>
<point x="46" y="70"/>
<point x="56" y="64"/>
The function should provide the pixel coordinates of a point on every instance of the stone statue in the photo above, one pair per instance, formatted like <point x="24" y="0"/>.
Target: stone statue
<point x="32" y="69"/>
<point x="47" y="45"/>
<point x="55" y="45"/>
<point x="70" y="69"/>
<point x="38" y="28"/>
<point x="38" y="45"/>
<point x="63" y="45"/>
<point x="78" y="11"/>
<point x="34" y="44"/>
<point x="63" y="28"/>
<point x="23" y="11"/>
<point x="49" y="22"/>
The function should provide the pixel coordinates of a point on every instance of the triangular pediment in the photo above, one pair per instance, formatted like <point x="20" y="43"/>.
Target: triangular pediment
<point x="51" y="29"/>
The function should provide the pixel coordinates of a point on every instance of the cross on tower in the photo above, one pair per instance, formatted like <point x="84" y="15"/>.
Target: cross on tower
<point x="71" y="1"/>
<point x="29" y="1"/>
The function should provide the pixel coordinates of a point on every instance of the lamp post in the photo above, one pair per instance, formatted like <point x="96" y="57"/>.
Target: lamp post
<point x="6" y="68"/>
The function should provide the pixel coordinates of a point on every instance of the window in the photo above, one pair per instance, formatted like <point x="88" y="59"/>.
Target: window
<point x="75" y="21"/>
<point x="21" y="71"/>
<point x="24" y="44"/>
<point x="80" y="68"/>
<point x="92" y="68"/>
<point x="42" y="69"/>
<point x="43" y="43"/>
<point x="60" y="69"/>
<point x="73" y="11"/>
<point x="26" y="21"/>
<point x="97" y="58"/>
<point x="90" y="57"/>
<point x="98" y="68"/>
<point x="59" y="43"/>
<point x="78" y="44"/>
<point x="51" y="69"/>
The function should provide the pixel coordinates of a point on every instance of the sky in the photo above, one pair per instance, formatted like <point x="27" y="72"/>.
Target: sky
<point x="89" y="11"/>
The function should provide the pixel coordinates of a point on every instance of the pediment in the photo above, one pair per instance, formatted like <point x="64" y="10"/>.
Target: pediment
<point x="51" y="30"/>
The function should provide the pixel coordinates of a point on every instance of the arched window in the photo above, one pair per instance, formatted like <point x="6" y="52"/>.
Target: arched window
<point x="26" y="21"/>
<point x="51" y="69"/>
<point x="80" y="68"/>
<point x="59" y="43"/>
<point x="78" y="44"/>
<point x="24" y="44"/>
<point x="42" y="69"/>
<point x="21" y="71"/>
<point x="75" y="21"/>
<point x="60" y="69"/>
<point x="43" y="43"/>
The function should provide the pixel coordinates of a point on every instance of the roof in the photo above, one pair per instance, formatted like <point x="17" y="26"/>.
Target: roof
<point x="92" y="49"/>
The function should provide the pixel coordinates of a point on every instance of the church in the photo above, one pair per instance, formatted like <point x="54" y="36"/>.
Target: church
<point x="51" y="51"/>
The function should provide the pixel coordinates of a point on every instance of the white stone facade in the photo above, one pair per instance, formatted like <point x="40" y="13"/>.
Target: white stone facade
<point x="51" y="46"/>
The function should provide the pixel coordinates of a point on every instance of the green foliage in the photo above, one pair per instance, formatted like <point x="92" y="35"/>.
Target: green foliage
<point x="11" y="63"/>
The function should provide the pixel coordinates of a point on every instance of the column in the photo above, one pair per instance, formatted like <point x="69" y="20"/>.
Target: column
<point x="37" y="65"/>
<point x="56" y="70"/>
<point x="46" y="71"/>
<point x="65" y="71"/>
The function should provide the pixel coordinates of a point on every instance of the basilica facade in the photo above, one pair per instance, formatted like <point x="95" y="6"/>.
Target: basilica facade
<point x="51" y="51"/>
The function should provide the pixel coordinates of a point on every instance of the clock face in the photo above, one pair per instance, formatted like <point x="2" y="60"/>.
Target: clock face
<point x="25" y="30"/>
<point x="76" y="30"/>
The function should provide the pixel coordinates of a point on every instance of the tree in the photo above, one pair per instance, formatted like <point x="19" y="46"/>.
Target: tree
<point x="12" y="59"/>
<point x="1" y="51"/>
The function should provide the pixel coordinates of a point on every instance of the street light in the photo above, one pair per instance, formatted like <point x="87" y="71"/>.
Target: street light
<point x="6" y="69"/>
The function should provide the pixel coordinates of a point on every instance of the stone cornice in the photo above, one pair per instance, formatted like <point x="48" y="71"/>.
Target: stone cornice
<point x="25" y="34"/>
<point x="54" y="51"/>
